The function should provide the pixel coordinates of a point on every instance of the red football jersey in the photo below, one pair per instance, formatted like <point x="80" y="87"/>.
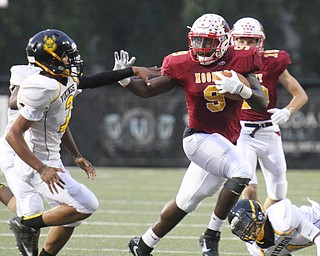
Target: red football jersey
<point x="274" y="62"/>
<point x="209" y="111"/>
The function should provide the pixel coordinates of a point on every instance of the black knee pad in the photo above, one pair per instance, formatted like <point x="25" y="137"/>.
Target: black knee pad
<point x="236" y="184"/>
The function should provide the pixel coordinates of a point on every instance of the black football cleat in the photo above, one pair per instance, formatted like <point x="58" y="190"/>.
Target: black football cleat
<point x="26" y="237"/>
<point x="138" y="248"/>
<point x="209" y="244"/>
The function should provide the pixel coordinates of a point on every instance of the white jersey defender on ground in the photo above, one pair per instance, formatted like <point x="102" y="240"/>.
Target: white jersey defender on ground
<point x="294" y="228"/>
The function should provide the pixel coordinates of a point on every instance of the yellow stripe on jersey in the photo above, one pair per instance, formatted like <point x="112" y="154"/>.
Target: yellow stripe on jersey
<point x="291" y="247"/>
<point x="60" y="85"/>
<point x="285" y="233"/>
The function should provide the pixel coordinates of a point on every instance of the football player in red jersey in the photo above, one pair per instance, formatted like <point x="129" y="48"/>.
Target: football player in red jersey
<point x="212" y="130"/>
<point x="260" y="137"/>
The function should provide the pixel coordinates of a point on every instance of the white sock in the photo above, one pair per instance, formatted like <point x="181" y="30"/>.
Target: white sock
<point x="150" y="238"/>
<point x="215" y="223"/>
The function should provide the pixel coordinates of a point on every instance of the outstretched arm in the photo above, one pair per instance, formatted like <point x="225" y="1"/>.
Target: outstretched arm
<point x="122" y="71"/>
<point x="113" y="76"/>
<point x="104" y="78"/>
<point x="142" y="87"/>
<point x="154" y="87"/>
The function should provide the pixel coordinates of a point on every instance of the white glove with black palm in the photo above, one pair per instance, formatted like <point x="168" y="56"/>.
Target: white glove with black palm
<point x="279" y="116"/>
<point x="122" y="61"/>
<point x="233" y="85"/>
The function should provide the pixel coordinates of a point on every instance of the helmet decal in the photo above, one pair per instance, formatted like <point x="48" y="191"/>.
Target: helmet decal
<point x="49" y="44"/>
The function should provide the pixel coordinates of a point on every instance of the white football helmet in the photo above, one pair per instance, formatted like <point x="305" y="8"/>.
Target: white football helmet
<point x="248" y="27"/>
<point x="208" y="38"/>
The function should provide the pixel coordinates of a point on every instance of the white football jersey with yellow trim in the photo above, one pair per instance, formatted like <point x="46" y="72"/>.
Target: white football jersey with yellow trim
<point x="48" y="103"/>
<point x="294" y="228"/>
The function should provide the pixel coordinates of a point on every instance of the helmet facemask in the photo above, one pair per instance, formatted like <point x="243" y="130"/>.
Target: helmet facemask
<point x="74" y="65"/>
<point x="207" y="48"/>
<point x="247" y="220"/>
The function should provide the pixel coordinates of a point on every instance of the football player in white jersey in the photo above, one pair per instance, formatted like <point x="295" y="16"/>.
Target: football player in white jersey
<point x="45" y="100"/>
<point x="279" y="230"/>
<point x="29" y="200"/>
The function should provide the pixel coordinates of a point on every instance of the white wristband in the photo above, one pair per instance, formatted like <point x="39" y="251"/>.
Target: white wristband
<point x="316" y="240"/>
<point x="245" y="92"/>
<point x="124" y="82"/>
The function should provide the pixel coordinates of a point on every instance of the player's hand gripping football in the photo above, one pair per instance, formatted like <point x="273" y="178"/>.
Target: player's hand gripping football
<point x="279" y="116"/>
<point x="232" y="85"/>
<point x="85" y="165"/>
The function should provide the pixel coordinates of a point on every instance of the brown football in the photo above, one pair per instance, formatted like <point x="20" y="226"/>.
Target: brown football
<point x="244" y="80"/>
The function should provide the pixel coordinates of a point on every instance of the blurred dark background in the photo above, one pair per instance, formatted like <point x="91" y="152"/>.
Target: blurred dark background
<point x="113" y="127"/>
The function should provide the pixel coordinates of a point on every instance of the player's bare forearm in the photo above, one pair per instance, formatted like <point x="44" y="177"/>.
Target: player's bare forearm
<point x="16" y="140"/>
<point x="146" y="73"/>
<point x="257" y="101"/>
<point x="69" y="144"/>
<point x="155" y="87"/>
<point x="299" y="96"/>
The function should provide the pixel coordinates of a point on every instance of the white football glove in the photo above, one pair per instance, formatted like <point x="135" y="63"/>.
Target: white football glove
<point x="121" y="63"/>
<point x="233" y="85"/>
<point x="279" y="116"/>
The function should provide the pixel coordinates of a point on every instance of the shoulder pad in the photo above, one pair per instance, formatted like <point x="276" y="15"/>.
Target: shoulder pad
<point x="276" y="60"/>
<point x="284" y="216"/>
<point x="21" y="72"/>
<point x="38" y="91"/>
<point x="176" y="64"/>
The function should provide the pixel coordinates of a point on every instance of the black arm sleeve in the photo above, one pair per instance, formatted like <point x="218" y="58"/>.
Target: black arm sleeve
<point x="104" y="78"/>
